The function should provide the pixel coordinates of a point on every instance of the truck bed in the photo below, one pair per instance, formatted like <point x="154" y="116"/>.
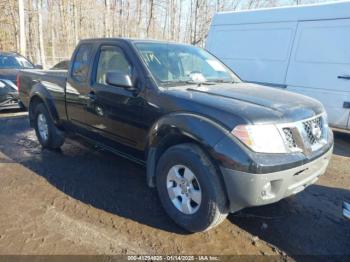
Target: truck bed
<point x="52" y="83"/>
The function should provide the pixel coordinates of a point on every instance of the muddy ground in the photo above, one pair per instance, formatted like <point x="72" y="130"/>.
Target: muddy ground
<point x="83" y="201"/>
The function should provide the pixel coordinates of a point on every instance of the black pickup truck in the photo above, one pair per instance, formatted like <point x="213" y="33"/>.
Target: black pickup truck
<point x="211" y="143"/>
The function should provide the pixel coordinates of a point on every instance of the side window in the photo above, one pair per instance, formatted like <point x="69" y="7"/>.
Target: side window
<point x="111" y="58"/>
<point x="81" y="63"/>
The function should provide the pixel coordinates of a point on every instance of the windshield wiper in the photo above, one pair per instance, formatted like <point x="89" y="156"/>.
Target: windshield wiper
<point x="221" y="81"/>
<point x="176" y="82"/>
<point x="184" y="82"/>
<point x="191" y="82"/>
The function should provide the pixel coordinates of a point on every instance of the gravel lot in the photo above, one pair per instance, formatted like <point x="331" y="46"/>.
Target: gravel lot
<point x="83" y="201"/>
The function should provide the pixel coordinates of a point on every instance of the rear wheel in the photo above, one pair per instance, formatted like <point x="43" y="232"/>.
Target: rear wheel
<point x="190" y="188"/>
<point x="48" y="134"/>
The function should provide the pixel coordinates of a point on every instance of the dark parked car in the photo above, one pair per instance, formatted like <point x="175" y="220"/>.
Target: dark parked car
<point x="10" y="63"/>
<point x="63" y="65"/>
<point x="212" y="144"/>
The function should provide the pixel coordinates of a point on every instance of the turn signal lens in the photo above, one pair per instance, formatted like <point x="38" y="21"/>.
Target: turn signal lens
<point x="242" y="133"/>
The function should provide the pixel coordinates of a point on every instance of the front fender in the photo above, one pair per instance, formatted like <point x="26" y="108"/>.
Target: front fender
<point x="199" y="128"/>
<point x="178" y="128"/>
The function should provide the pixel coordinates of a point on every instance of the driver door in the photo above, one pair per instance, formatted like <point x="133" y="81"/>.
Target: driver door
<point x="120" y="111"/>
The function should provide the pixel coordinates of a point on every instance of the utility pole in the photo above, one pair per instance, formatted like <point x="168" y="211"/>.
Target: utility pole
<point x="22" y="33"/>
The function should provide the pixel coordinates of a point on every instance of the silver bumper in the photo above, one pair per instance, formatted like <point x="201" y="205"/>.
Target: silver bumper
<point x="246" y="189"/>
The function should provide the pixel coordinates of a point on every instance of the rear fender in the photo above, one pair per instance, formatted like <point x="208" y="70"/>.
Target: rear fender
<point x="40" y="92"/>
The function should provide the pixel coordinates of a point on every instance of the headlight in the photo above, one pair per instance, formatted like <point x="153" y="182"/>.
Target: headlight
<point x="261" y="138"/>
<point x="2" y="84"/>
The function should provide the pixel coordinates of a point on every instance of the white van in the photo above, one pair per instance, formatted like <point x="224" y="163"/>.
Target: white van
<point x="303" y="49"/>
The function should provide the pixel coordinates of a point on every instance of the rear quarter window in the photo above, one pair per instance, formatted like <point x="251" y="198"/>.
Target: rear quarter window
<point x="81" y="62"/>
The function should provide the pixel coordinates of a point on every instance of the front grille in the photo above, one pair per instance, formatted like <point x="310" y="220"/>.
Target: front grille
<point x="314" y="130"/>
<point x="305" y="136"/>
<point x="288" y="135"/>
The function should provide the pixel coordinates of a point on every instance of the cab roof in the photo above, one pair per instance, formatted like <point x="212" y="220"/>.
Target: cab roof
<point x="130" y="40"/>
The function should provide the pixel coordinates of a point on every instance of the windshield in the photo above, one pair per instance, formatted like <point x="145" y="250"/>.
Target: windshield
<point x="173" y="64"/>
<point x="14" y="62"/>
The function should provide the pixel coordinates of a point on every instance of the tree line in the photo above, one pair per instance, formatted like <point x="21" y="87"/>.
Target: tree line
<point x="46" y="31"/>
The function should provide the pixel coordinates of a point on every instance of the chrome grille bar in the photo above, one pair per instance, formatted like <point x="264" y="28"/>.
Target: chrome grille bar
<point x="306" y="135"/>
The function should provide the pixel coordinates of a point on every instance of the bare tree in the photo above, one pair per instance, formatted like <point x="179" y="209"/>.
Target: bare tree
<point x="150" y="18"/>
<point x="47" y="30"/>
<point x="41" y="33"/>
<point x="22" y="34"/>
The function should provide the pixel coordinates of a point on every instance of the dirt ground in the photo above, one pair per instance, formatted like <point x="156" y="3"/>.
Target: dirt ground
<point x="83" y="201"/>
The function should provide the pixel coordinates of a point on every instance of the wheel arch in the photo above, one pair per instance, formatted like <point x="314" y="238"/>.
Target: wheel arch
<point x="178" y="128"/>
<point x="40" y="95"/>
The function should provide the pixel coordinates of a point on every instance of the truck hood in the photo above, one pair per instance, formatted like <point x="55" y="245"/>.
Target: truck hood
<point x="252" y="103"/>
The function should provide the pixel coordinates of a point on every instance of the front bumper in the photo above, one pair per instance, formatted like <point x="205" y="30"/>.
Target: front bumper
<point x="249" y="189"/>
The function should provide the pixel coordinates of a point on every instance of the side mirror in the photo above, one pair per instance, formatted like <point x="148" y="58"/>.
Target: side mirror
<point x="118" y="78"/>
<point x="38" y="67"/>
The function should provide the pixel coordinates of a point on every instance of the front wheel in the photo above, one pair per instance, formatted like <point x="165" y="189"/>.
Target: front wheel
<point x="48" y="134"/>
<point x="190" y="188"/>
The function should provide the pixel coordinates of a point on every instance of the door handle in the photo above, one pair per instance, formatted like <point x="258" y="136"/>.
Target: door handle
<point x="91" y="101"/>
<point x="92" y="96"/>
<point x="345" y="77"/>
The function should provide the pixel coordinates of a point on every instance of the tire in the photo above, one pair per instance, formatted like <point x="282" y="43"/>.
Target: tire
<point x="212" y="207"/>
<point x="55" y="137"/>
